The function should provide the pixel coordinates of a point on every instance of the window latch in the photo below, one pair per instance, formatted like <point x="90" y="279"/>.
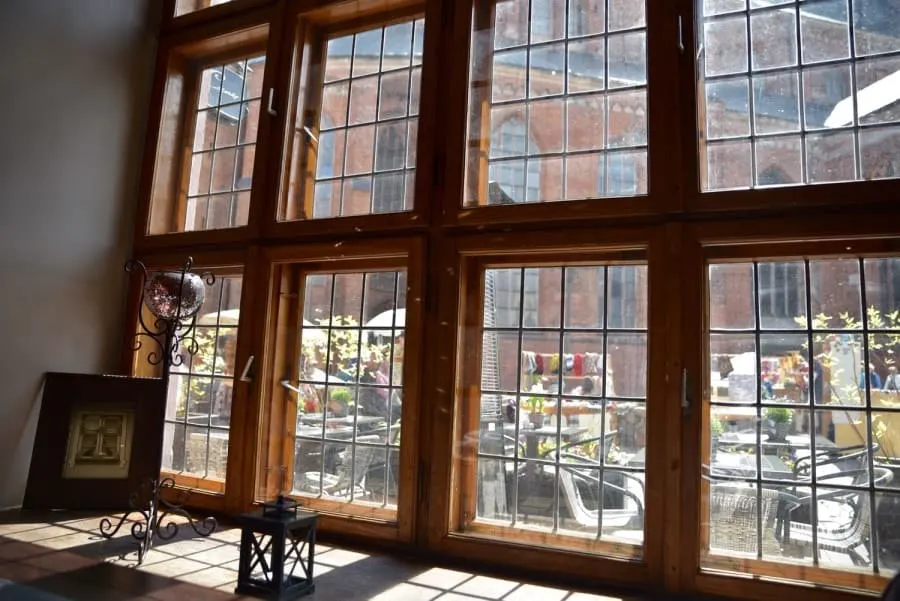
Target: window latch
<point x="680" y="34"/>
<point x="287" y="384"/>
<point x="309" y="134"/>
<point x="247" y="375"/>
<point x="685" y="395"/>
<point x="271" y="108"/>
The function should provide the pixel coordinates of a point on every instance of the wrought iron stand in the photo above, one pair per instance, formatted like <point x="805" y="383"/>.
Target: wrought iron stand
<point x="174" y="298"/>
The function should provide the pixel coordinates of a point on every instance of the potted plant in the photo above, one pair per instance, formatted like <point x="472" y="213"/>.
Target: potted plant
<point x="781" y="420"/>
<point x="535" y="407"/>
<point x="340" y="401"/>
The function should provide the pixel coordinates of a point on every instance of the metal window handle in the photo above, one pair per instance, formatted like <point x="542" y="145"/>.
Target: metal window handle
<point x="287" y="384"/>
<point x="271" y="108"/>
<point x="685" y="397"/>
<point x="680" y="34"/>
<point x="309" y="134"/>
<point x="246" y="375"/>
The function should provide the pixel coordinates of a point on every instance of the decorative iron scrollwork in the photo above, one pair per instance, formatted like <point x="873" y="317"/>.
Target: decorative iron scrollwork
<point x="153" y="511"/>
<point x="175" y="298"/>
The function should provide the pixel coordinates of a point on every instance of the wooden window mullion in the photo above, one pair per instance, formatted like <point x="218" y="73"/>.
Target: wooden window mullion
<point x="477" y="172"/>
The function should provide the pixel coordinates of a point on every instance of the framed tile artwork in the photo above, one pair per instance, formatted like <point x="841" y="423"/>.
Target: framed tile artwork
<point x="98" y="438"/>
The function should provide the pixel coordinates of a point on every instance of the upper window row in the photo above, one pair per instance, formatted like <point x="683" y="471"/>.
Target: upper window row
<point x="799" y="92"/>
<point x="790" y="93"/>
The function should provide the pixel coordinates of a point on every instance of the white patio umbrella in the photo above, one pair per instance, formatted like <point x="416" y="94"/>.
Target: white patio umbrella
<point x="230" y="317"/>
<point x="386" y="319"/>
<point x="224" y="318"/>
<point x="313" y="333"/>
<point x="318" y="376"/>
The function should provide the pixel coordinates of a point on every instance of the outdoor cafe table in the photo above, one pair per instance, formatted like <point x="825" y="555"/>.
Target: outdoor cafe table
<point x="744" y="465"/>
<point x="533" y="437"/>
<point x="795" y="443"/>
<point x="340" y="433"/>
<point x="364" y="424"/>
<point x="573" y="408"/>
<point x="346" y="420"/>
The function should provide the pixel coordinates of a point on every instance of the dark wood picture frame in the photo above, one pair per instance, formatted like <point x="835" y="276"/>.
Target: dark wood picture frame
<point x="65" y="394"/>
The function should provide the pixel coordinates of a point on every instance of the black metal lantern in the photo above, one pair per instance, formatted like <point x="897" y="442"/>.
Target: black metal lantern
<point x="275" y="540"/>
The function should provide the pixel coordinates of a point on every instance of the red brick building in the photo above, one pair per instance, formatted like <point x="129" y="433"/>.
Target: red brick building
<point x="566" y="106"/>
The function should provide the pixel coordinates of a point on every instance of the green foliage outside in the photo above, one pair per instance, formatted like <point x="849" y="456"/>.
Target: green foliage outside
<point x="883" y="348"/>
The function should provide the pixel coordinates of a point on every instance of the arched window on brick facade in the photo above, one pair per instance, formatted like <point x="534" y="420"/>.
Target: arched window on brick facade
<point x="622" y="296"/>
<point x="518" y="177"/>
<point x="508" y="292"/>
<point x="387" y="192"/>
<point x="782" y="293"/>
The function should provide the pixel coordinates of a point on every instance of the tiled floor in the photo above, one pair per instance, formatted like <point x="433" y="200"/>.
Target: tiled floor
<point x="64" y="557"/>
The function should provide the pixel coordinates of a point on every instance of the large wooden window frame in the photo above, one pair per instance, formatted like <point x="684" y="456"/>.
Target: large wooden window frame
<point x="788" y="199"/>
<point x="675" y="224"/>
<point x="459" y="392"/>
<point x="830" y="236"/>
<point x="181" y="59"/>
<point x="302" y="79"/>
<point x="463" y="99"/>
<point x="286" y="268"/>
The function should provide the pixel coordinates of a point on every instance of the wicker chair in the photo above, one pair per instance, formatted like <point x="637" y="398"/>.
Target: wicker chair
<point x="733" y="515"/>
<point x="850" y="538"/>
<point x="733" y="519"/>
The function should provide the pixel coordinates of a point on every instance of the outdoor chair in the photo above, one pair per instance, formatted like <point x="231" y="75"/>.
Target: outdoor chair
<point x="734" y="508"/>
<point x="843" y="458"/>
<point x="576" y="490"/>
<point x="351" y="475"/>
<point x="851" y="537"/>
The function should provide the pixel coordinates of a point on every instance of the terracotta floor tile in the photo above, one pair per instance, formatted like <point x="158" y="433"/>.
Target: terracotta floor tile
<point x="36" y="535"/>
<point x="210" y="577"/>
<point x="441" y="578"/>
<point x="68" y="541"/>
<point x="530" y="592"/>
<point x="12" y="528"/>
<point x="173" y="568"/>
<point x="184" y="591"/>
<point x="407" y="592"/>
<point x="484" y="586"/>
<point x="339" y="557"/>
<point x="130" y="559"/>
<point x="227" y="534"/>
<point x="60" y="561"/>
<point x="16" y="550"/>
<point x="22" y="572"/>
<point x="217" y="556"/>
<point x="189" y="546"/>
<point x="228" y="587"/>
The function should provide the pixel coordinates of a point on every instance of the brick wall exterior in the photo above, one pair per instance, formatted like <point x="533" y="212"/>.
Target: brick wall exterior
<point x="628" y="112"/>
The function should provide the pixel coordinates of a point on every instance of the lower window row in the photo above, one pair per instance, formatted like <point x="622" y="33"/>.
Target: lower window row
<point x="801" y="458"/>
